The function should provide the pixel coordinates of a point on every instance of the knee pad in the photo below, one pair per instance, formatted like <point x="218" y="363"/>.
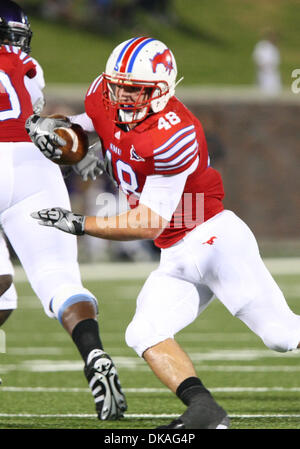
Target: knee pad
<point x="68" y="295"/>
<point x="279" y="339"/>
<point x="141" y="335"/>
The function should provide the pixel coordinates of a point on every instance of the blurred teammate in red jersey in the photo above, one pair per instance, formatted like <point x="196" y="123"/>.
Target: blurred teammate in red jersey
<point x="155" y="150"/>
<point x="28" y="180"/>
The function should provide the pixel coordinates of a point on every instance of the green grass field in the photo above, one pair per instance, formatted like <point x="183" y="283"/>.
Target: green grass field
<point x="44" y="387"/>
<point x="213" y="41"/>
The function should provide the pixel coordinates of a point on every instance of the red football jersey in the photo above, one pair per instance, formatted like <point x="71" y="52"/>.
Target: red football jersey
<point x="165" y="143"/>
<point x="15" y="101"/>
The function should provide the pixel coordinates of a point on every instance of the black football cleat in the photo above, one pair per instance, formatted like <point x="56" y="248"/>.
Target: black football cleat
<point x="202" y="413"/>
<point x="103" y="380"/>
<point x="179" y="424"/>
<point x="175" y="424"/>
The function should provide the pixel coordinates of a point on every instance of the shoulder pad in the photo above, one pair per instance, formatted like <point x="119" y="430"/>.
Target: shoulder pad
<point x="21" y="57"/>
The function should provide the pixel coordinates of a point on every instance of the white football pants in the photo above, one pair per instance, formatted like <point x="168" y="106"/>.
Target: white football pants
<point x="219" y="258"/>
<point x="30" y="182"/>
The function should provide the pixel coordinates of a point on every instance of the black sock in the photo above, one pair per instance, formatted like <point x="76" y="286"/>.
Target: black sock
<point x="86" y="337"/>
<point x="189" y="388"/>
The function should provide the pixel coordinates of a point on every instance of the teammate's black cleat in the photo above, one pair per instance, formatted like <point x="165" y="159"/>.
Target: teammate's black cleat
<point x="202" y="413"/>
<point x="103" y="380"/>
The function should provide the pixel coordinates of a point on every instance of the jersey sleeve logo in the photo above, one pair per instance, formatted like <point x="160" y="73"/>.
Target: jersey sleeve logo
<point x="178" y="152"/>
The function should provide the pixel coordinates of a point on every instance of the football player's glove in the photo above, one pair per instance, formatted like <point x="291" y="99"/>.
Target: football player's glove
<point x="62" y="219"/>
<point x="38" y="106"/>
<point x="90" y="166"/>
<point x="41" y="132"/>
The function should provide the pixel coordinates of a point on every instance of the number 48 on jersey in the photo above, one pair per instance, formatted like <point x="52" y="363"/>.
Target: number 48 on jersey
<point x="168" y="120"/>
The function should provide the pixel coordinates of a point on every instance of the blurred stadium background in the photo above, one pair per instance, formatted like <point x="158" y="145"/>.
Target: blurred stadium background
<point x="253" y="136"/>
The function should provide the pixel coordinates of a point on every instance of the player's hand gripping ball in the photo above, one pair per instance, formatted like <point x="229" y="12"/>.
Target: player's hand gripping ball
<point x="58" y="139"/>
<point x="76" y="146"/>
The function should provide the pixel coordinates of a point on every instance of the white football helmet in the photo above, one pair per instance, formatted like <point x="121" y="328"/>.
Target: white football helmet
<point x="146" y="65"/>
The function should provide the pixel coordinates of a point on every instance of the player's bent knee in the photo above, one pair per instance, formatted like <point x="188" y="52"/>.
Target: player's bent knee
<point x="141" y="335"/>
<point x="66" y="296"/>
<point x="135" y="334"/>
<point x="5" y="282"/>
<point x="278" y="338"/>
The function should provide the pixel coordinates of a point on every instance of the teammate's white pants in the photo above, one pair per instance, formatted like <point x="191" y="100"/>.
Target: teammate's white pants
<point x="30" y="182"/>
<point x="219" y="258"/>
<point x="8" y="300"/>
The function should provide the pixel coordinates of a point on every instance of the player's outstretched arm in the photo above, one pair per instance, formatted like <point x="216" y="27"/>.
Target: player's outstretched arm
<point x="62" y="219"/>
<point x="135" y="224"/>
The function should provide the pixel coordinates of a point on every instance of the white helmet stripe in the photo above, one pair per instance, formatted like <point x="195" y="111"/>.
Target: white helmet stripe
<point x="136" y="52"/>
<point x="129" y="53"/>
<point x="116" y="68"/>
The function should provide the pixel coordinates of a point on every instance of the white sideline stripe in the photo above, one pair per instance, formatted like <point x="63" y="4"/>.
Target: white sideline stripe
<point x="249" y="369"/>
<point x="149" y="390"/>
<point x="138" y="415"/>
<point x="46" y="350"/>
<point x="231" y="94"/>
<point x="140" y="270"/>
<point x="53" y="366"/>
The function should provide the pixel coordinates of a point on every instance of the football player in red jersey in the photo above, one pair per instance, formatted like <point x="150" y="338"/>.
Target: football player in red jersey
<point x="155" y="150"/>
<point x="28" y="180"/>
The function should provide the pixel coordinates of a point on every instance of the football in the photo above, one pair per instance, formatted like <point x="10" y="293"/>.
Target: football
<point x="76" y="144"/>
